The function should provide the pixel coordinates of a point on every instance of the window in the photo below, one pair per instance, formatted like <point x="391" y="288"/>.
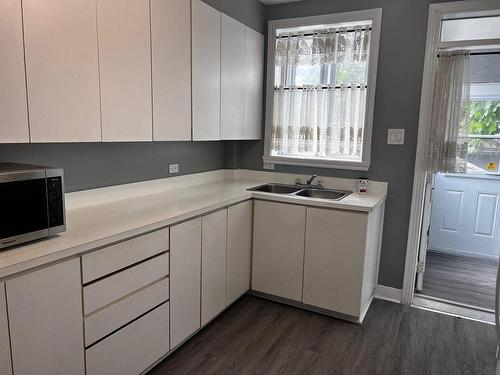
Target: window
<point x="321" y="91"/>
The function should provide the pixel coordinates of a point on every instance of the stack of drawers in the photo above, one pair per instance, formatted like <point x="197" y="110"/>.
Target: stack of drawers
<point x="126" y="305"/>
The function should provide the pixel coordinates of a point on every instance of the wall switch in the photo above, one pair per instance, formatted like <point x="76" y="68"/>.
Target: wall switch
<point x="268" y="166"/>
<point x="395" y="136"/>
<point x="173" y="168"/>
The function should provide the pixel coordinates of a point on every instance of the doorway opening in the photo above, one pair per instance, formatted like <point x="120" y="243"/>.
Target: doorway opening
<point x="454" y="240"/>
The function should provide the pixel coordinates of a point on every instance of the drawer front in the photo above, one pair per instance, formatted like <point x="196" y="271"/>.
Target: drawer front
<point x="113" y="258"/>
<point x="110" y="289"/>
<point x="119" y="314"/>
<point x="132" y="349"/>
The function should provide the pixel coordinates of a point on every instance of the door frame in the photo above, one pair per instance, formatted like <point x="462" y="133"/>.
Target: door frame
<point x="418" y="207"/>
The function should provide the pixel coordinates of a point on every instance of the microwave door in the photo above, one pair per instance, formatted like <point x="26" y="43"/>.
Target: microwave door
<point x="23" y="205"/>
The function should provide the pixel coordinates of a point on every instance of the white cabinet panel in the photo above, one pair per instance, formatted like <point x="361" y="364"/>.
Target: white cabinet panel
<point x="185" y="280"/>
<point x="132" y="349"/>
<point x="5" y="362"/>
<point x="334" y="258"/>
<point x="278" y="249"/>
<point x="254" y="84"/>
<point x="62" y="70"/>
<point x="206" y="71"/>
<point x="46" y="323"/>
<point x="171" y="63"/>
<point x="125" y="69"/>
<point x="239" y="250"/>
<point x="213" y="265"/>
<point x="13" y="106"/>
<point x="232" y="77"/>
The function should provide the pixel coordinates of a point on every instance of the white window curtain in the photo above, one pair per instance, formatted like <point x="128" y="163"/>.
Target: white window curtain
<point x="320" y="94"/>
<point x="448" y="146"/>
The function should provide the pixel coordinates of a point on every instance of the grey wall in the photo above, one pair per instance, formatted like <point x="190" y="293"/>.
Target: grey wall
<point x="90" y="165"/>
<point x="399" y="79"/>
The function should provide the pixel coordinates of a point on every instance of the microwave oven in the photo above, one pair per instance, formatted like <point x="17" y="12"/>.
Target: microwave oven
<point x="31" y="203"/>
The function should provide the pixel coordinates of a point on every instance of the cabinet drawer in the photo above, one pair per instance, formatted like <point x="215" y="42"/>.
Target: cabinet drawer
<point x="113" y="258"/>
<point x="124" y="311"/>
<point x="110" y="289"/>
<point x="132" y="349"/>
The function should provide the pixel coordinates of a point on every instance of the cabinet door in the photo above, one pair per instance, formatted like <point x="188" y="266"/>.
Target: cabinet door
<point x="334" y="256"/>
<point x="206" y="71"/>
<point x="171" y="63"/>
<point x="278" y="249"/>
<point x="232" y="77"/>
<point x="185" y="279"/>
<point x="62" y="70"/>
<point x="125" y="69"/>
<point x="239" y="250"/>
<point x="5" y="363"/>
<point x="213" y="265"/>
<point x="254" y="84"/>
<point x="13" y="105"/>
<point x="46" y="322"/>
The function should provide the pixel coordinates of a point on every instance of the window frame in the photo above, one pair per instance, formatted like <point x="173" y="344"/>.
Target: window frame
<point x="375" y="15"/>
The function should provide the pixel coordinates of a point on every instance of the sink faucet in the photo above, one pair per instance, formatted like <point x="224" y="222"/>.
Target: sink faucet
<point x="310" y="181"/>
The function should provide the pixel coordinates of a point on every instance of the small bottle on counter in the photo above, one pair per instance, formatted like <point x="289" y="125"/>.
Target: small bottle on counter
<point x="362" y="185"/>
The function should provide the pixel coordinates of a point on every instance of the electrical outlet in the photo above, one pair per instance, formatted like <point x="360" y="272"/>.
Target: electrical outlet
<point x="173" y="168"/>
<point x="268" y="166"/>
<point x="395" y="136"/>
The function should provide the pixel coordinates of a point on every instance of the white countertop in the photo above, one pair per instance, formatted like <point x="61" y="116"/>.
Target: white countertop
<point x="100" y="225"/>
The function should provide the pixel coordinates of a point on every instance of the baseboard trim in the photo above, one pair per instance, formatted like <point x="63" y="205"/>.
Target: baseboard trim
<point x="388" y="293"/>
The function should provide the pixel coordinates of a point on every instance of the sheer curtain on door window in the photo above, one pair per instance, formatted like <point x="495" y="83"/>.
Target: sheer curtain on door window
<point x="448" y="146"/>
<point x="320" y="93"/>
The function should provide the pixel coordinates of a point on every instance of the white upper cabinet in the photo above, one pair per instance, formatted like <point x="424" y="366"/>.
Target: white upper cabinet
<point x="171" y="63"/>
<point x="232" y="78"/>
<point x="206" y="60"/>
<point x="125" y="69"/>
<point x="13" y="109"/>
<point x="62" y="70"/>
<point x="254" y="84"/>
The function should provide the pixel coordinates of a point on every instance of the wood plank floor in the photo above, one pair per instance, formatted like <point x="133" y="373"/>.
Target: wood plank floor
<point x="465" y="280"/>
<point x="256" y="336"/>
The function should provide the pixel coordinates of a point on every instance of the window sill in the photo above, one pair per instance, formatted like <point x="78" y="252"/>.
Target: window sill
<point x="316" y="163"/>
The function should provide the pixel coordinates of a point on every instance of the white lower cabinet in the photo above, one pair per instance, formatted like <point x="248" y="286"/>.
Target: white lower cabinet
<point x="134" y="348"/>
<point x="278" y="249"/>
<point x="213" y="265"/>
<point x="334" y="259"/>
<point x="239" y="250"/>
<point x="46" y="323"/>
<point x="5" y="362"/>
<point x="185" y="280"/>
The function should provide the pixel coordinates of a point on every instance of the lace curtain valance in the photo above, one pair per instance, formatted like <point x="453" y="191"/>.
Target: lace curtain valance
<point x="322" y="47"/>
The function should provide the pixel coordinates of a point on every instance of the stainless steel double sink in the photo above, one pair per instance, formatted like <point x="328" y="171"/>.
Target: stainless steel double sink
<point x="302" y="191"/>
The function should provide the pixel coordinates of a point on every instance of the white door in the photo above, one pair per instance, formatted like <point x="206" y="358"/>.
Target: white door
<point x="185" y="280"/>
<point x="60" y="39"/>
<point x="206" y="26"/>
<point x="46" y="320"/>
<point x="13" y="105"/>
<point x="465" y="216"/>
<point x="171" y="69"/>
<point x="125" y="70"/>
<point x="5" y="363"/>
<point x="239" y="250"/>
<point x="213" y="265"/>
<point x="278" y="249"/>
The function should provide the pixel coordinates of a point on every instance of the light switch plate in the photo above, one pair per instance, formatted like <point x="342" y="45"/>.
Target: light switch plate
<point x="395" y="136"/>
<point x="173" y="168"/>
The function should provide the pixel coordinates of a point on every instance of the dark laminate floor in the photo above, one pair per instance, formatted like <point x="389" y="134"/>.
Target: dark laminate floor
<point x="256" y="336"/>
<point x="466" y="280"/>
